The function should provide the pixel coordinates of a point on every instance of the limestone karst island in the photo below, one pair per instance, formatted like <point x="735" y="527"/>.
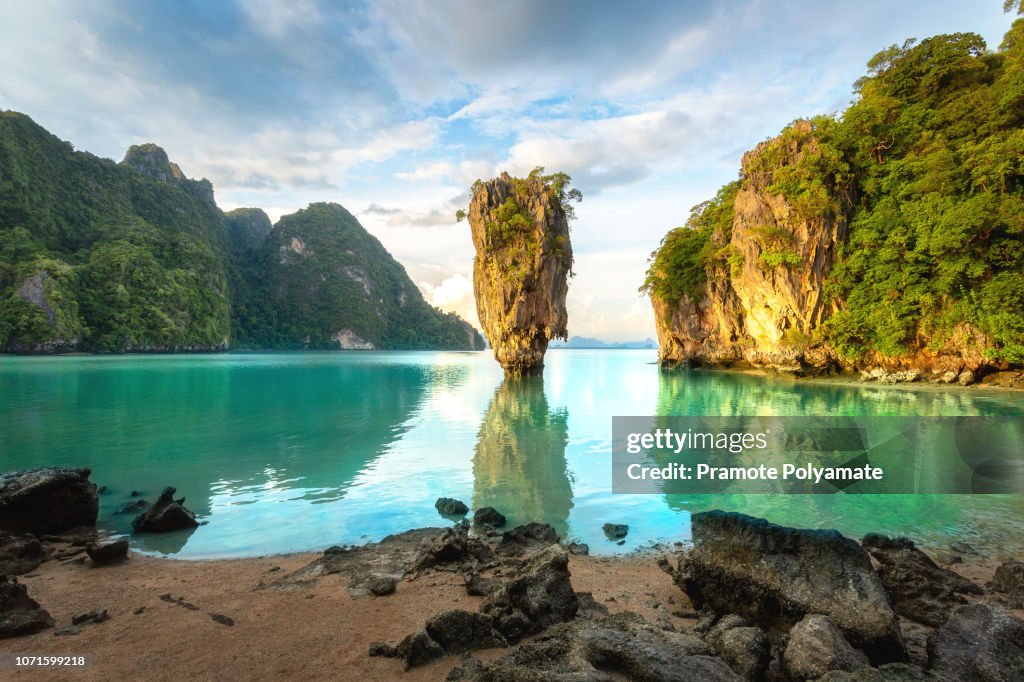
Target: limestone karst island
<point x="315" y="364"/>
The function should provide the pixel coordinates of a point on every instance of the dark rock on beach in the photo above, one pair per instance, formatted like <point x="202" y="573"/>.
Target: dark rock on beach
<point x="622" y="646"/>
<point x="50" y="500"/>
<point x="816" y="646"/>
<point x="382" y="586"/>
<point x="745" y="649"/>
<point x="109" y="553"/>
<point x="20" y="614"/>
<point x="96" y="616"/>
<point x="166" y="515"/>
<point x="978" y="642"/>
<point x="538" y="596"/>
<point x="479" y="586"/>
<point x="488" y="516"/>
<point x="919" y="589"/>
<point x="449" y="506"/>
<point x="527" y="538"/>
<point x="1009" y="582"/>
<point x="773" y="576"/>
<point x="454" y="549"/>
<point x="19" y="554"/>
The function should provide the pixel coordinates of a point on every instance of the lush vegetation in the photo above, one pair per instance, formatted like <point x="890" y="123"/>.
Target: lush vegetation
<point x="96" y="255"/>
<point x="927" y="165"/>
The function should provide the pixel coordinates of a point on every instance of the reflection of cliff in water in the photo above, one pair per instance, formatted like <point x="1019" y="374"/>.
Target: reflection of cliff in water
<point x="703" y="392"/>
<point x="519" y="466"/>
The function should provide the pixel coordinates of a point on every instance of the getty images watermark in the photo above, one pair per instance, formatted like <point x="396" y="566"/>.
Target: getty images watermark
<point x="750" y="455"/>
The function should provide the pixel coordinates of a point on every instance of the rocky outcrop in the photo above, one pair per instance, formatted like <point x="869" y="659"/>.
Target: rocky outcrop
<point x="1008" y="581"/>
<point x="49" y="500"/>
<point x="19" y="554"/>
<point x="918" y="588"/>
<point x="764" y="298"/>
<point x="521" y="269"/>
<point x="978" y="642"/>
<point x="247" y="228"/>
<point x="20" y="614"/>
<point x="773" y="576"/>
<point x="621" y="646"/>
<point x="166" y="515"/>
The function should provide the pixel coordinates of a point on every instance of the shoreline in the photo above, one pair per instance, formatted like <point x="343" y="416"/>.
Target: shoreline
<point x="298" y="615"/>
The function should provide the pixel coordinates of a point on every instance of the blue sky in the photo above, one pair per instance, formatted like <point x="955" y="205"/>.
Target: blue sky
<point x="393" y="108"/>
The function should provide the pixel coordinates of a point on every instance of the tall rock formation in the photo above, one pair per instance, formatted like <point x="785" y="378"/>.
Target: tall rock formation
<point x="763" y="294"/>
<point x="520" y="230"/>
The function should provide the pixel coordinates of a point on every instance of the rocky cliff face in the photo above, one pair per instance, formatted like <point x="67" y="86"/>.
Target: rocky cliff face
<point x="523" y="259"/>
<point x="764" y="297"/>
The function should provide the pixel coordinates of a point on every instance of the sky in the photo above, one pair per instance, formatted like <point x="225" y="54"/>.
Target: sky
<point x="393" y="108"/>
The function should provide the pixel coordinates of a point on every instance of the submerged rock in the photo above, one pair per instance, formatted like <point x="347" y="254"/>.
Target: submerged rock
<point x="19" y="554"/>
<point x="49" y="500"/>
<point x="520" y="230"/>
<point x="918" y="587"/>
<point x="615" y="531"/>
<point x="20" y="614"/>
<point x="773" y="576"/>
<point x="166" y="515"/>
<point x="133" y="507"/>
<point x="451" y="507"/>
<point x="978" y="642"/>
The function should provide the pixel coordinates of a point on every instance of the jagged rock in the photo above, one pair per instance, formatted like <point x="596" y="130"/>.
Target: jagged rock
<point x="110" y="553"/>
<point x="416" y="649"/>
<point x="1009" y="580"/>
<point x="133" y="507"/>
<point x="816" y="646"/>
<point x="773" y="576"/>
<point x="166" y="515"/>
<point x="538" y="596"/>
<point x="460" y="631"/>
<point x="49" y="500"/>
<point x="745" y="649"/>
<point x="918" y="588"/>
<point x="578" y="548"/>
<point x="479" y="586"/>
<point x="452" y="546"/>
<point x="622" y="646"/>
<point x="488" y="516"/>
<point x="96" y="616"/>
<point x="20" y="614"/>
<point x="19" y="554"/>
<point x="523" y="259"/>
<point x="151" y="161"/>
<point x="451" y="507"/>
<point x="979" y="642"/>
<point x="615" y="531"/>
<point x="527" y="538"/>
<point x="382" y="585"/>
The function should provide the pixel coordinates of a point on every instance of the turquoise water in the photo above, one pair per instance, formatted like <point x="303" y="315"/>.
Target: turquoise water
<point x="297" y="451"/>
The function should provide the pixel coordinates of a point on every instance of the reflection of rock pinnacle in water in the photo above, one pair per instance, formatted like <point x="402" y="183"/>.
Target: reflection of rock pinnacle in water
<point x="519" y="466"/>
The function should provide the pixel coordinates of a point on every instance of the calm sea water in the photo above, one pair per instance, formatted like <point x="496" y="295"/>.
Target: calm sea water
<point x="297" y="451"/>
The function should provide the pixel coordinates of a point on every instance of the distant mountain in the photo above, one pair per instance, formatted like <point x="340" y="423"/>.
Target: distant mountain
<point x="134" y="256"/>
<point x="587" y="342"/>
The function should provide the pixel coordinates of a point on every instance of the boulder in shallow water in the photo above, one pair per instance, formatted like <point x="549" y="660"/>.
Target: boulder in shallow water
<point x="615" y="531"/>
<point x="166" y="515"/>
<point x="978" y="642"/>
<point x="449" y="506"/>
<point x="20" y="614"/>
<point x="49" y="500"/>
<point x="488" y="516"/>
<point x="773" y="576"/>
<point x="19" y="554"/>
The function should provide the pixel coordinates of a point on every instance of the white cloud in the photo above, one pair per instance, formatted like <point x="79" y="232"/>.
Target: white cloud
<point x="454" y="294"/>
